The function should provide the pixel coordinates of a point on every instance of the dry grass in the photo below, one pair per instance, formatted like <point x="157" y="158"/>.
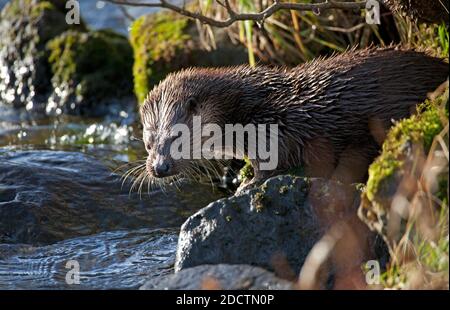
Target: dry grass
<point x="419" y="259"/>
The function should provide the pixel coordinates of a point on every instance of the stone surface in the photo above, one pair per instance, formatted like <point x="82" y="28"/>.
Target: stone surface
<point x="273" y="226"/>
<point x="226" y="277"/>
<point x="25" y="28"/>
<point x="47" y="196"/>
<point x="47" y="65"/>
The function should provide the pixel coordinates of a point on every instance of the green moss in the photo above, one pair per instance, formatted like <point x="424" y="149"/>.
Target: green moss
<point x="91" y="61"/>
<point x="39" y="8"/>
<point x="17" y="7"/>
<point x="31" y="8"/>
<point x="246" y="173"/>
<point x="155" y="38"/>
<point x="420" y="128"/>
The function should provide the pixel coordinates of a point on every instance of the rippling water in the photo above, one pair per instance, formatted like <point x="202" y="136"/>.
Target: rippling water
<point x="114" y="259"/>
<point x="109" y="257"/>
<point x="109" y="260"/>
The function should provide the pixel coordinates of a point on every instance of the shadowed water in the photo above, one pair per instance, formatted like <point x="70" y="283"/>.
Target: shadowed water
<point x="109" y="260"/>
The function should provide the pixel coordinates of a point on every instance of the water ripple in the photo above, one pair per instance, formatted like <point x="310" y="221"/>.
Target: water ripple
<point x="109" y="260"/>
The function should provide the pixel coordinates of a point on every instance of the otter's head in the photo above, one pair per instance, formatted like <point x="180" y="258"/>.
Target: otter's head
<point x="211" y="94"/>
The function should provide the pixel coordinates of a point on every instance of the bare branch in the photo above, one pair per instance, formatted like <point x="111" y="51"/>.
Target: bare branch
<point x="125" y="13"/>
<point x="233" y="16"/>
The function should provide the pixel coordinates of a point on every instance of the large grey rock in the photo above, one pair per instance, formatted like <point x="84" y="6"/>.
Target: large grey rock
<point x="273" y="226"/>
<point x="48" y="196"/>
<point x="227" y="277"/>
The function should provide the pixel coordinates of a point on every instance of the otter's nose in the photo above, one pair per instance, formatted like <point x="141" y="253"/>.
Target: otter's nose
<point x="161" y="169"/>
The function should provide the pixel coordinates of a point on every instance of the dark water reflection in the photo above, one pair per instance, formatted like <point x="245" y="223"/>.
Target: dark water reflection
<point x="109" y="260"/>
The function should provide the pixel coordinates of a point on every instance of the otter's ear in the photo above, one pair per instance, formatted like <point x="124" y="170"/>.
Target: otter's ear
<point x="192" y="104"/>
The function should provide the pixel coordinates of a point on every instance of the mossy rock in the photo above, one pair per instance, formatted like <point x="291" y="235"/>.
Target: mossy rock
<point x="25" y="28"/>
<point x="165" y="42"/>
<point x="406" y="145"/>
<point x="89" y="68"/>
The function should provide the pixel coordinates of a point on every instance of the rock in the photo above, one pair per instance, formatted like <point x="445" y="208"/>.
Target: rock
<point x="50" y="66"/>
<point x="225" y="277"/>
<point x="165" y="42"/>
<point x="273" y="226"/>
<point x="25" y="28"/>
<point x="91" y="70"/>
<point x="395" y="173"/>
<point x="48" y="196"/>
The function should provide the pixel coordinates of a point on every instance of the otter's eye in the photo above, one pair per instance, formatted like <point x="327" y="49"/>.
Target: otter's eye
<point x="148" y="138"/>
<point x="192" y="103"/>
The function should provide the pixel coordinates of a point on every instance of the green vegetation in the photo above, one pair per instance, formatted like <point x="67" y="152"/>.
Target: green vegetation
<point x="429" y="268"/>
<point x="52" y="20"/>
<point x="91" y="60"/>
<point x="246" y="173"/>
<point x="156" y="39"/>
<point x="420" y="128"/>
<point x="413" y="149"/>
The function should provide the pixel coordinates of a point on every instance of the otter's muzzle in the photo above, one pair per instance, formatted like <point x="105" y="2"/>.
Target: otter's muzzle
<point x="160" y="167"/>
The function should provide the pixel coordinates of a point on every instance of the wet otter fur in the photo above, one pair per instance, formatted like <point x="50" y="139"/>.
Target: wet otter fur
<point x="332" y="113"/>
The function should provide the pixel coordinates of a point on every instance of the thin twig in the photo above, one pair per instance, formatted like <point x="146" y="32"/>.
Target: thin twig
<point x="234" y="16"/>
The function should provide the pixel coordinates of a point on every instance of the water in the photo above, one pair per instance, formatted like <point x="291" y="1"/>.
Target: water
<point x="109" y="260"/>
<point x="112" y="258"/>
<point x="61" y="199"/>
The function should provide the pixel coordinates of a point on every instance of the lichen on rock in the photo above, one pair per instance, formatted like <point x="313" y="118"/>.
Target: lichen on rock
<point x="277" y="222"/>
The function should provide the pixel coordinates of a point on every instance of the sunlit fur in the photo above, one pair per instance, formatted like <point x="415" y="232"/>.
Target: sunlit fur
<point x="324" y="108"/>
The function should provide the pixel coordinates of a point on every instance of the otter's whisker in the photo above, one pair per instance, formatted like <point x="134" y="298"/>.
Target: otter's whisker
<point x="127" y="164"/>
<point x="131" y="171"/>
<point x="142" y="182"/>
<point x="136" y="181"/>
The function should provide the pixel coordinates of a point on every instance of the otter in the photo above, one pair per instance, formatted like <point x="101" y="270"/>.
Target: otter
<point x="332" y="113"/>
